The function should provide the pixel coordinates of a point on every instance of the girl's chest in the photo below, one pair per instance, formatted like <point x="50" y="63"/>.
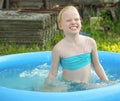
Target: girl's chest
<point x="71" y="51"/>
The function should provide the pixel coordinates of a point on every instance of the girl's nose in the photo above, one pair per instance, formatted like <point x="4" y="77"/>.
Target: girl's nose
<point x="73" y="21"/>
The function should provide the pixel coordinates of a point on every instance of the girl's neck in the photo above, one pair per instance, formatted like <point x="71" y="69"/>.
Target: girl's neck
<point x="72" y="38"/>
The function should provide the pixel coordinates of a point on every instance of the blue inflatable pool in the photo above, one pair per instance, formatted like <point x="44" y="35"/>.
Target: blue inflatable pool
<point x="109" y="60"/>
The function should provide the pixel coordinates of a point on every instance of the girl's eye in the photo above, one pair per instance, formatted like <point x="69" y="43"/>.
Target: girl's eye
<point x="77" y="19"/>
<point x="68" y="20"/>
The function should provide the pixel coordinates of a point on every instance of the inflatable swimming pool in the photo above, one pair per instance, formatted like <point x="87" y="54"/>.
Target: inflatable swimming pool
<point x="110" y="61"/>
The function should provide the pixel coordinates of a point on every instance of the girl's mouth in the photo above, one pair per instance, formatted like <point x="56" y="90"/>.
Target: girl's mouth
<point x="73" y="27"/>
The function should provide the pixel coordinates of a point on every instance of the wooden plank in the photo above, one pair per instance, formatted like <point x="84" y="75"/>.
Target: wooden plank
<point x="20" y="33"/>
<point x="26" y="4"/>
<point x="30" y="4"/>
<point x="7" y="4"/>
<point x="26" y="0"/>
<point x="1" y="4"/>
<point x="22" y="25"/>
<point x="18" y="27"/>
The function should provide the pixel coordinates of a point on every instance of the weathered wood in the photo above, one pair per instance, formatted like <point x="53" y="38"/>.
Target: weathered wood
<point x="7" y="33"/>
<point x="1" y="4"/>
<point x="77" y="2"/>
<point x="7" y="4"/>
<point x="48" y="4"/>
<point x="30" y="28"/>
<point x="29" y="5"/>
<point x="26" y="4"/>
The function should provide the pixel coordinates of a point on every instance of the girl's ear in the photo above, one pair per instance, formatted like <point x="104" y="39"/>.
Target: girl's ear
<point x="60" y="26"/>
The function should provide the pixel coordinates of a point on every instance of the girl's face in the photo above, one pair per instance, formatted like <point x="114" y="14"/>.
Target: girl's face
<point x="70" y="21"/>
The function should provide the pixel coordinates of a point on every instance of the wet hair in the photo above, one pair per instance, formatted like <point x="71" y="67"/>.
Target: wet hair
<point x="63" y="10"/>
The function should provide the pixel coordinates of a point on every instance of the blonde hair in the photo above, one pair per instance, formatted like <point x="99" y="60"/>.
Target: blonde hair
<point x="63" y="10"/>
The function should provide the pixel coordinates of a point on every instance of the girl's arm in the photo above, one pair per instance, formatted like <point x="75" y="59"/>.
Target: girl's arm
<point x="96" y="64"/>
<point x="54" y="67"/>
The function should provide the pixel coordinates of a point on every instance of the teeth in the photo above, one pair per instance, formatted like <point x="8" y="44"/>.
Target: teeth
<point x="74" y="27"/>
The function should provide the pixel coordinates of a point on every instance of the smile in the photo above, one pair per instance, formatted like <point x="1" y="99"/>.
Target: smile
<point x="73" y="27"/>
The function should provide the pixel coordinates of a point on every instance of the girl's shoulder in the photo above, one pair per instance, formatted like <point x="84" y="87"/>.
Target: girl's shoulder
<point x="59" y="45"/>
<point x="88" y="38"/>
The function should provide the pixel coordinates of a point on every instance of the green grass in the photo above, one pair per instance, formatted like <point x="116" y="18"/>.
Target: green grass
<point x="14" y="48"/>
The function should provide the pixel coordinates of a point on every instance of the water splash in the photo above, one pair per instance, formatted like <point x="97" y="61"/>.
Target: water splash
<point x="33" y="80"/>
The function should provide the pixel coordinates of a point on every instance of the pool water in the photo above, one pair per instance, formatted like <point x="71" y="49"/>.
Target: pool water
<point x="32" y="79"/>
